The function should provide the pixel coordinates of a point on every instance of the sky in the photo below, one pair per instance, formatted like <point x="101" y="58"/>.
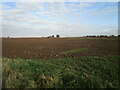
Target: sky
<point x="73" y="19"/>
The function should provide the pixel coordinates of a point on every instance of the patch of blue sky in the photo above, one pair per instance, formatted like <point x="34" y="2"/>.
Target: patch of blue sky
<point x="102" y="5"/>
<point x="85" y="18"/>
<point x="10" y="5"/>
<point x="94" y="20"/>
<point x="100" y="19"/>
<point x="44" y="17"/>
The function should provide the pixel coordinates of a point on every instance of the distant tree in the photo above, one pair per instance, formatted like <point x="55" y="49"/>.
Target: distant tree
<point x="112" y="36"/>
<point x="93" y="36"/>
<point x="57" y="35"/>
<point x="105" y="35"/>
<point x="118" y="35"/>
<point x="52" y="36"/>
<point x="49" y="37"/>
<point x="101" y="35"/>
<point x="98" y="36"/>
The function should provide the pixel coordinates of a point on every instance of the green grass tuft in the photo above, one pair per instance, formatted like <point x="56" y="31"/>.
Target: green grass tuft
<point x="74" y="50"/>
<point x="85" y="72"/>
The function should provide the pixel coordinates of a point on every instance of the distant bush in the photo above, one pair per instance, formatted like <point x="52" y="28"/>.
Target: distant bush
<point x="49" y="37"/>
<point x="103" y="35"/>
<point x="97" y="36"/>
<point x="57" y="35"/>
<point x="52" y="36"/>
<point x="112" y="36"/>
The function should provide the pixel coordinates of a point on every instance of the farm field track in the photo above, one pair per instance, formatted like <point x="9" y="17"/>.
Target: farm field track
<point x="48" y="48"/>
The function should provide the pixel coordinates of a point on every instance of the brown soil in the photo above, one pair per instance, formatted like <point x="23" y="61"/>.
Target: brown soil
<point x="46" y="48"/>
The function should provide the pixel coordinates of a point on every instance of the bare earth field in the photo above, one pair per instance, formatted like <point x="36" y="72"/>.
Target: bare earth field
<point x="60" y="62"/>
<point x="48" y="48"/>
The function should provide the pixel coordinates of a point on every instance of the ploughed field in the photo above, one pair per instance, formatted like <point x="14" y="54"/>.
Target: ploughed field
<point x="47" y="48"/>
<point x="60" y="63"/>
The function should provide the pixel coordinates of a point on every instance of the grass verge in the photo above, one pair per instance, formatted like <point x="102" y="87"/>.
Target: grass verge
<point x="85" y="72"/>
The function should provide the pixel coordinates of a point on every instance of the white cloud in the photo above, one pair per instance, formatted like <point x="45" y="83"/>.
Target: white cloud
<point x="25" y="20"/>
<point x="62" y="28"/>
<point x="86" y="29"/>
<point x="30" y="6"/>
<point x="85" y="4"/>
<point x="61" y="0"/>
<point x="107" y="10"/>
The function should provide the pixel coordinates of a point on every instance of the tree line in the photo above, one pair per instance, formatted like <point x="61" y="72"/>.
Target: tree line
<point x="57" y="36"/>
<point x="102" y="36"/>
<point x="53" y="36"/>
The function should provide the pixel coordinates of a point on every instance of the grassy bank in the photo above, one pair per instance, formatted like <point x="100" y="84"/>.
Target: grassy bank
<point x="86" y="72"/>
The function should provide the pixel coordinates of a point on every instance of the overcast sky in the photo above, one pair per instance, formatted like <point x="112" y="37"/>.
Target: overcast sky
<point x="33" y="19"/>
